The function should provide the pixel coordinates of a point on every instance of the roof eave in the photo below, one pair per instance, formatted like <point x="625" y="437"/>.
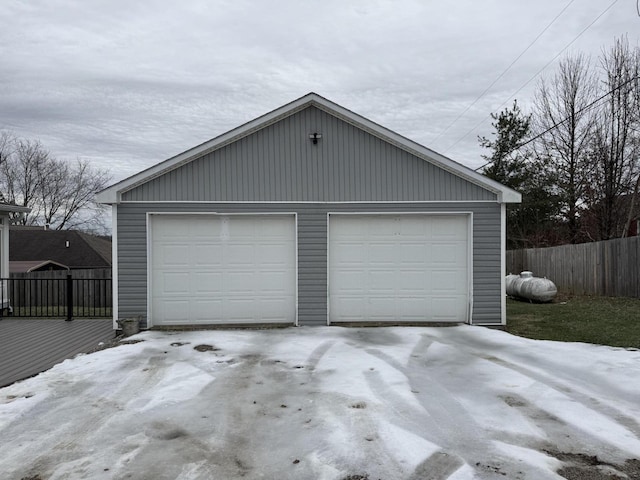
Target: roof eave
<point x="8" y="208"/>
<point x="113" y="194"/>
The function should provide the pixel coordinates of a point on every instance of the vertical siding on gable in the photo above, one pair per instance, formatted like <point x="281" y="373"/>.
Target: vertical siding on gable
<point x="280" y="163"/>
<point x="312" y="251"/>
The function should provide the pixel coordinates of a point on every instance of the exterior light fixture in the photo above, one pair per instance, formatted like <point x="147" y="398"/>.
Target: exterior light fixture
<point x="314" y="137"/>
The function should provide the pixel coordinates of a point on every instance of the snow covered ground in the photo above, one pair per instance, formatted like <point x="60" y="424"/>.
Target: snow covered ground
<point x="328" y="403"/>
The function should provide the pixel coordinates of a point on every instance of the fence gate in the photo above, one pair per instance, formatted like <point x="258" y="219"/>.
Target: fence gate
<point x="65" y="297"/>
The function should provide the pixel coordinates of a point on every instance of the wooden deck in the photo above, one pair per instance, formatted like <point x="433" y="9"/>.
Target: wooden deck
<point x="29" y="346"/>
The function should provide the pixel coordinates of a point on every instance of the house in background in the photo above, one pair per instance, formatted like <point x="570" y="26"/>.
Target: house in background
<point x="38" y="249"/>
<point x="309" y="215"/>
<point x="29" y="266"/>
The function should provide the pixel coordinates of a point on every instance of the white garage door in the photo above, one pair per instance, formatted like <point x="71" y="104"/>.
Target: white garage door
<point x="218" y="269"/>
<point x="399" y="268"/>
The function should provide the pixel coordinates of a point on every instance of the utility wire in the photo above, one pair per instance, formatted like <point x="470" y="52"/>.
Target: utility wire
<point x="501" y="75"/>
<point x="557" y="124"/>
<point x="535" y="75"/>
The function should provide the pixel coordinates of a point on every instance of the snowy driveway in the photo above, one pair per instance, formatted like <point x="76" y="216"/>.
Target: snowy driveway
<point x="328" y="403"/>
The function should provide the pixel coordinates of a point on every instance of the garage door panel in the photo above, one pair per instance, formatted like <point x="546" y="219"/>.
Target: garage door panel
<point x="239" y="309"/>
<point x="175" y="311"/>
<point x="377" y="280"/>
<point x="350" y="252"/>
<point x="448" y="308"/>
<point x="270" y="308"/>
<point x="398" y="268"/>
<point x="351" y="281"/>
<point x="356" y="229"/>
<point x="240" y="283"/>
<point x="273" y="254"/>
<point x="203" y="255"/>
<point x="240" y="255"/>
<point x="272" y="282"/>
<point x="274" y="230"/>
<point x="173" y="230"/>
<point x="350" y="308"/>
<point x="173" y="254"/>
<point x="408" y="229"/>
<point x="382" y="306"/>
<point x="449" y="226"/>
<point x="206" y="282"/>
<point x="414" y="253"/>
<point x="173" y="283"/>
<point x="447" y="253"/>
<point x="202" y="310"/>
<point x="222" y="269"/>
<point x="448" y="282"/>
<point x="411" y="281"/>
<point x="382" y="253"/>
<point x="410" y="305"/>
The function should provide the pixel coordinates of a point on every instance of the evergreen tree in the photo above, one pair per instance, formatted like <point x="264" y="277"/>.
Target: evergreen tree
<point x="529" y="224"/>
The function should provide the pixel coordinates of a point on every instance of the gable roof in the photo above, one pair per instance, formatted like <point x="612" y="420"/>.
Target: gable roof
<point x="113" y="193"/>
<point x="30" y="244"/>
<point x="29" y="266"/>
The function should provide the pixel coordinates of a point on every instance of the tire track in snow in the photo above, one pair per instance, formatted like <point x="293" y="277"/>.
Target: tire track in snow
<point x="357" y="419"/>
<point x="590" y="402"/>
<point x="557" y="430"/>
<point x="317" y="354"/>
<point x="443" y="421"/>
<point x="251" y="408"/>
<point x="91" y="413"/>
<point x="562" y="436"/>
<point x="437" y="466"/>
<point x="562" y="386"/>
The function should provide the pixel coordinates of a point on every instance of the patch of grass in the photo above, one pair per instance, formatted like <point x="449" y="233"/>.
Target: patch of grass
<point x="610" y="321"/>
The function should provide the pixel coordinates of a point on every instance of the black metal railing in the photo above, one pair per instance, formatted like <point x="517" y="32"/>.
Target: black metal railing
<point x="56" y="297"/>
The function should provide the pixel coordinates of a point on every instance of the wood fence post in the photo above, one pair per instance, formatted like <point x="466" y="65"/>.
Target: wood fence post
<point x="69" y="297"/>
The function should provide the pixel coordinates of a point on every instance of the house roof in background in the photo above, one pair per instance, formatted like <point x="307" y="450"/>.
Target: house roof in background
<point x="112" y="194"/>
<point x="31" y="266"/>
<point x="37" y="244"/>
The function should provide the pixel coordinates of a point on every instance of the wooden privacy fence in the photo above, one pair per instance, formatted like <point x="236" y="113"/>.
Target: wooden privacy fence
<point x="610" y="267"/>
<point x="61" y="293"/>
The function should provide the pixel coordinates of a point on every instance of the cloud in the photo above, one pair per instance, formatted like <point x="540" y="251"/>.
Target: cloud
<point x="128" y="84"/>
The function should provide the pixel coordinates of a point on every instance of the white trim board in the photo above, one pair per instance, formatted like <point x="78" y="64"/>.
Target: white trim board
<point x="114" y="265"/>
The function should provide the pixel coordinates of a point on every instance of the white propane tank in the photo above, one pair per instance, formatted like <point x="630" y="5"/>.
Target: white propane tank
<point x="533" y="288"/>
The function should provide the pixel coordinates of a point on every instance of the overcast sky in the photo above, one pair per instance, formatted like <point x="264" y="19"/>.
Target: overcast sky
<point x="128" y="84"/>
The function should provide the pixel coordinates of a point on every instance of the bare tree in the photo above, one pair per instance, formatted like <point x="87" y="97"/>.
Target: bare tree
<point x="67" y="194"/>
<point x="615" y="141"/>
<point x="60" y="194"/>
<point x="7" y="144"/>
<point x="19" y="174"/>
<point x="565" y="124"/>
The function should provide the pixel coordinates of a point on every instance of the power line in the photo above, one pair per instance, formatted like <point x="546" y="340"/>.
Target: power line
<point x="501" y="75"/>
<point x="535" y="75"/>
<point x="557" y="124"/>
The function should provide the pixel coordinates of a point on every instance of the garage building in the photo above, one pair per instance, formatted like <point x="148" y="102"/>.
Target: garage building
<point x="309" y="215"/>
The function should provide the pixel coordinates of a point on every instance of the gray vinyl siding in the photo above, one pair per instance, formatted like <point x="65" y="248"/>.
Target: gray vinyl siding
<point x="280" y="163"/>
<point x="312" y="251"/>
